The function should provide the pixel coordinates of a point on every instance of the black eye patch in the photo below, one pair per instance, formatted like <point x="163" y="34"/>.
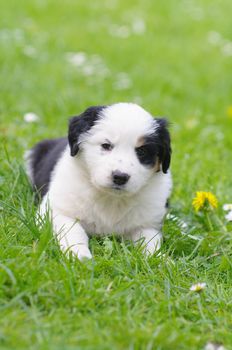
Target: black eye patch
<point x="147" y="154"/>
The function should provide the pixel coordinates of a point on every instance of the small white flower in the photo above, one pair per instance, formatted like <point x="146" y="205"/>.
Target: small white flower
<point x="29" y="51"/>
<point x="88" y="70"/>
<point x="214" y="38"/>
<point x="214" y="346"/>
<point x="197" y="14"/>
<point x="139" y="26"/>
<point x="120" y="31"/>
<point x="227" y="48"/>
<point x="229" y="216"/>
<point x="31" y="117"/>
<point x="76" y="58"/>
<point x="227" y="207"/>
<point x="89" y="65"/>
<point x="198" y="287"/>
<point x="123" y="82"/>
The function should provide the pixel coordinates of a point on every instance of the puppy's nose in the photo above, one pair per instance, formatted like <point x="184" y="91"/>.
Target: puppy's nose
<point x="120" y="178"/>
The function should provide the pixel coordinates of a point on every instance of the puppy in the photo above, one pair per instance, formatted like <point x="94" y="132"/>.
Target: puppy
<point x="109" y="176"/>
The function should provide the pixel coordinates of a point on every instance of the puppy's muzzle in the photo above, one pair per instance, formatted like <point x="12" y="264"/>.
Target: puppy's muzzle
<point x="120" y="178"/>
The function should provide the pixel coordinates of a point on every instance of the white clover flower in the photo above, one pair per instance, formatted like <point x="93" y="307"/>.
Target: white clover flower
<point x="31" y="117"/>
<point x="227" y="48"/>
<point x="214" y="38"/>
<point x="227" y="207"/>
<point x="120" y="31"/>
<point x="214" y="346"/>
<point x="76" y="58"/>
<point x="198" y="287"/>
<point x="122" y="82"/>
<point x="139" y="26"/>
<point x="30" y="51"/>
<point x="89" y="65"/>
<point x="229" y="216"/>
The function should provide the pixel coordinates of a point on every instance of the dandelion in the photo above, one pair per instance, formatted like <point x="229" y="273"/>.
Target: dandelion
<point x="229" y="112"/>
<point x="198" y="287"/>
<point x="204" y="198"/>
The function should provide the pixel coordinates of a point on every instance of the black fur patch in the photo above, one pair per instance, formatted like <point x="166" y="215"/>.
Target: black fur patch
<point x="80" y="124"/>
<point x="147" y="153"/>
<point x="43" y="159"/>
<point x="45" y="154"/>
<point x="164" y="144"/>
<point x="156" y="145"/>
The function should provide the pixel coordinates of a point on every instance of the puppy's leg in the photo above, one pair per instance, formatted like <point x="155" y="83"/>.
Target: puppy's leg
<point x="71" y="236"/>
<point x="150" y="237"/>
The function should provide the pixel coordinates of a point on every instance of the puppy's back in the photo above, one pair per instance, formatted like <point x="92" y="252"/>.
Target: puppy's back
<point x="41" y="160"/>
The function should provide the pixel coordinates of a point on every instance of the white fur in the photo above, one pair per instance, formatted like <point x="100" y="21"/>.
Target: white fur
<point x="27" y="161"/>
<point x="81" y="199"/>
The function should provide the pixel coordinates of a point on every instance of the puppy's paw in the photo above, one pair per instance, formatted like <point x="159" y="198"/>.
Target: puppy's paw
<point x="79" y="250"/>
<point x="152" y="247"/>
<point x="84" y="253"/>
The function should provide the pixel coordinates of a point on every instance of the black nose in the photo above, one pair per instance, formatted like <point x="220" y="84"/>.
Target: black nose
<point x="120" y="178"/>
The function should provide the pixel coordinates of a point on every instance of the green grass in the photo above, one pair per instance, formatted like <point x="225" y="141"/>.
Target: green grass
<point x="177" y="68"/>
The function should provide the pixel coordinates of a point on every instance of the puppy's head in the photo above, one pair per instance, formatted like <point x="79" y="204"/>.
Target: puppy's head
<point x="122" y="146"/>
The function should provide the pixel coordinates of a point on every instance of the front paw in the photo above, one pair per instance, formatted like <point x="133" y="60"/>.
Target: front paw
<point x="79" y="250"/>
<point x="84" y="253"/>
<point x="152" y="247"/>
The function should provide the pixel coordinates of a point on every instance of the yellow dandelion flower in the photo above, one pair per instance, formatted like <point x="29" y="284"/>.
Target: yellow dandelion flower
<point x="229" y="112"/>
<point x="203" y="198"/>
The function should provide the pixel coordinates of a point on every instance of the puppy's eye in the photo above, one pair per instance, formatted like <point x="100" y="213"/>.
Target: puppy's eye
<point x="146" y="154"/>
<point x="142" y="152"/>
<point x="107" y="146"/>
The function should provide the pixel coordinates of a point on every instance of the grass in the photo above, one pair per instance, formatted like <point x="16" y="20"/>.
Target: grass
<point x="176" y="60"/>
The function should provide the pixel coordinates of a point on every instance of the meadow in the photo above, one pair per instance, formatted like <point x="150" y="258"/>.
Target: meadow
<point x="175" y="59"/>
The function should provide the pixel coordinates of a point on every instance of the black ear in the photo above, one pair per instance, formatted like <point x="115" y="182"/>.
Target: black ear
<point x="81" y="124"/>
<point x="164" y="143"/>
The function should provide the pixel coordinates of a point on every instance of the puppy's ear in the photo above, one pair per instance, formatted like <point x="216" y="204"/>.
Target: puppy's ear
<point x="81" y="124"/>
<point x="164" y="143"/>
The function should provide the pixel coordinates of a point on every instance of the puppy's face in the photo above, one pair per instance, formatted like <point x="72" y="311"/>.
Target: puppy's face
<point x="121" y="146"/>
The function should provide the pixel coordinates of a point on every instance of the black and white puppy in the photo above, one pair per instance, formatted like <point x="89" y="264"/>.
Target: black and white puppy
<point x="109" y="176"/>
